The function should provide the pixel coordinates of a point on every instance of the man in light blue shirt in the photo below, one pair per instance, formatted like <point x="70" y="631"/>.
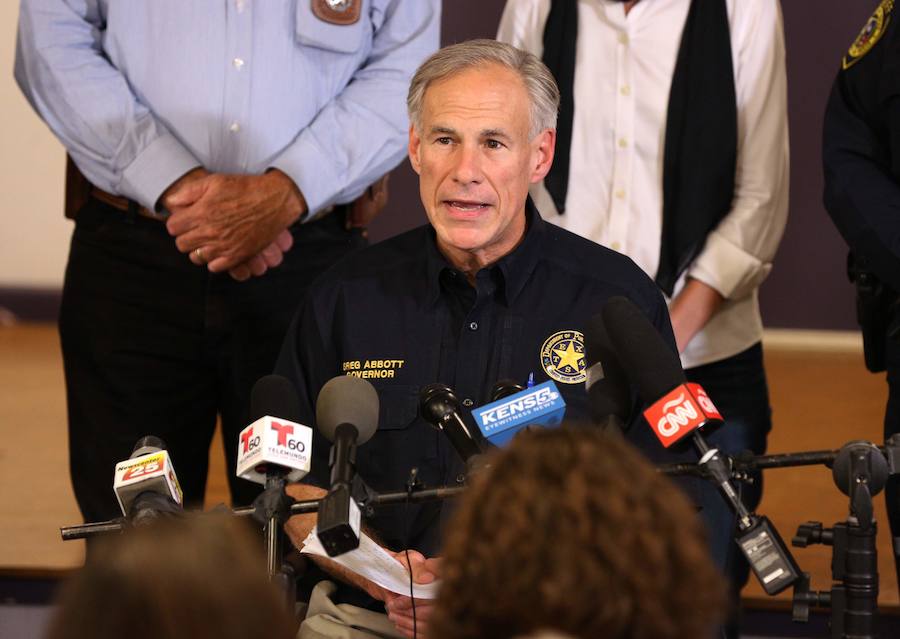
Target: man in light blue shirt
<point x="221" y="140"/>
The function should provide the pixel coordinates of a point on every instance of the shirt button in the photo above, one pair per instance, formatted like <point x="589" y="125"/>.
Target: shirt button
<point x="623" y="37"/>
<point x="468" y="402"/>
<point x="615" y="246"/>
<point x="234" y="127"/>
<point x="237" y="63"/>
<point x="625" y="90"/>
<point x="473" y="326"/>
<point x="623" y="143"/>
<point x="620" y="194"/>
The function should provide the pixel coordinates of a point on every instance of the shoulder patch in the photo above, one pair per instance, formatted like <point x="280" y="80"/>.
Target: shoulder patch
<point x="870" y="34"/>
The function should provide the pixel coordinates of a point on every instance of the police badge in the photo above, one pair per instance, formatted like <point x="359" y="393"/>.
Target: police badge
<point x="562" y="357"/>
<point x="341" y="12"/>
<point x="870" y="34"/>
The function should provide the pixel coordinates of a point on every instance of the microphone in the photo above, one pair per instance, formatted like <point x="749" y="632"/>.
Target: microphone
<point x="609" y="397"/>
<point x="541" y="405"/>
<point x="440" y="407"/>
<point x="347" y="415"/>
<point x="684" y="409"/>
<point x="145" y="484"/>
<point x="505" y="388"/>
<point x="275" y="445"/>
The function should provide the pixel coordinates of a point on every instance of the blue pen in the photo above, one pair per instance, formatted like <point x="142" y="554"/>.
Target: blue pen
<point x="530" y="381"/>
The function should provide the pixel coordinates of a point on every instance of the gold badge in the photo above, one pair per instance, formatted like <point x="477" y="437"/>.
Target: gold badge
<point x="562" y="357"/>
<point x="870" y="34"/>
<point x="341" y="12"/>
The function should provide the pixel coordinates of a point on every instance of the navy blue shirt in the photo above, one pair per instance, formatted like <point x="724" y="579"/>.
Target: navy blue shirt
<point x="399" y="315"/>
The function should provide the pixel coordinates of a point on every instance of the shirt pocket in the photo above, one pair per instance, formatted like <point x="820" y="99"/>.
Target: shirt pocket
<point x="402" y="441"/>
<point x="312" y="31"/>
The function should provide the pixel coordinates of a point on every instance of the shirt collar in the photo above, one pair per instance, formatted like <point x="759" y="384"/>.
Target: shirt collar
<point x="515" y="267"/>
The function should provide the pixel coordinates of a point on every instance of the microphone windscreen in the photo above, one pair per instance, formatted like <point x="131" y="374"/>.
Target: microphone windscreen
<point x="644" y="355"/>
<point x="147" y="444"/>
<point x="347" y="400"/>
<point x="275" y="396"/>
<point x="607" y="386"/>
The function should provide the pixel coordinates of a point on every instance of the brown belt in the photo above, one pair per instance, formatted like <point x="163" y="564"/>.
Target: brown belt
<point x="124" y="204"/>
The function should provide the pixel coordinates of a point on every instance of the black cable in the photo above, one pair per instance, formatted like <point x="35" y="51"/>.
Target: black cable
<point x="410" y="485"/>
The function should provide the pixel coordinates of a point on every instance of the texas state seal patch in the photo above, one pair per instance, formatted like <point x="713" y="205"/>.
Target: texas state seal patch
<point x="871" y="33"/>
<point x="562" y="357"/>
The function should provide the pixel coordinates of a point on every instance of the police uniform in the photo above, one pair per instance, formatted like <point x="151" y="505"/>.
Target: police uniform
<point x="861" y="153"/>
<point x="398" y="315"/>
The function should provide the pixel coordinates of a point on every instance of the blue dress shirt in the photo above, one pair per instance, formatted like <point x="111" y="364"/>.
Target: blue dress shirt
<point x="142" y="92"/>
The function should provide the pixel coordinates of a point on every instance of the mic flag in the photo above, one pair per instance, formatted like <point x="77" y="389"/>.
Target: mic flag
<point x="540" y="405"/>
<point x="275" y="439"/>
<point x="148" y="470"/>
<point x="682" y="410"/>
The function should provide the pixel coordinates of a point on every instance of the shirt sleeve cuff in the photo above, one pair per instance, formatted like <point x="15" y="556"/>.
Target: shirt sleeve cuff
<point x="306" y="163"/>
<point x="155" y="169"/>
<point x="728" y="269"/>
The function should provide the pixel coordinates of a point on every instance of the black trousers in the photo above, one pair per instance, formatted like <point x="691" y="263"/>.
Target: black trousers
<point x="891" y="427"/>
<point x="153" y="344"/>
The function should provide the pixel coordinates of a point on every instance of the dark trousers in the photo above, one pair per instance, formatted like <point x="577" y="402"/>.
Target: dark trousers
<point x="153" y="344"/>
<point x="737" y="386"/>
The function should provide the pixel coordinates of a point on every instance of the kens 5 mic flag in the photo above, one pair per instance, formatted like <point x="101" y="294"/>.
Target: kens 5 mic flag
<point x="541" y="405"/>
<point x="682" y="410"/>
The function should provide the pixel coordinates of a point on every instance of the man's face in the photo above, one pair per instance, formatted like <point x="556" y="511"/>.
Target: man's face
<point x="475" y="162"/>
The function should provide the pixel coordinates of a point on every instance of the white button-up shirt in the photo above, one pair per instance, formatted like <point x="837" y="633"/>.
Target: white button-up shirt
<point x="622" y="80"/>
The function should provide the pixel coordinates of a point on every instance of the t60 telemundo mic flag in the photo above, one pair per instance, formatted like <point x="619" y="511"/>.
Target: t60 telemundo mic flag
<point x="682" y="410"/>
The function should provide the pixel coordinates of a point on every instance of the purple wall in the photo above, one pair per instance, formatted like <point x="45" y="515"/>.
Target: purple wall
<point x="807" y="287"/>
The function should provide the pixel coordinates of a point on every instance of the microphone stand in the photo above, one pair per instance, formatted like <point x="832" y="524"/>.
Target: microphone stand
<point x="860" y="471"/>
<point x="367" y="506"/>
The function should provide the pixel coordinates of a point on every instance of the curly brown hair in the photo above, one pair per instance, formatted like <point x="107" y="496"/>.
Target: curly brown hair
<point x="573" y="530"/>
<point x="191" y="578"/>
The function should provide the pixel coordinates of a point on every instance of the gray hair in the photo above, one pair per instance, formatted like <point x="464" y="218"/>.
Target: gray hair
<point x="456" y="58"/>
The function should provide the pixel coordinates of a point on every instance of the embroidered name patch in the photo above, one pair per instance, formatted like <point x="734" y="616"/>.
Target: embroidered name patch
<point x="372" y="368"/>
<point x="562" y="357"/>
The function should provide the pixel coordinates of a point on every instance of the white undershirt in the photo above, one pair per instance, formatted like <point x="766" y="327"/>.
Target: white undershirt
<point x="622" y="80"/>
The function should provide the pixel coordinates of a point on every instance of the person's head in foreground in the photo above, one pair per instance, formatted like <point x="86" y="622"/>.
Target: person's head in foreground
<point x="191" y="577"/>
<point x="483" y="128"/>
<point x="571" y="531"/>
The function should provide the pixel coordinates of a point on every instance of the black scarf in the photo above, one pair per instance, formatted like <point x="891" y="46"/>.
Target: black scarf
<point x="700" y="152"/>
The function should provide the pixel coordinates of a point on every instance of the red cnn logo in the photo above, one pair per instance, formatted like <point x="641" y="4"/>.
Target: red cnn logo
<point x="283" y="431"/>
<point x="680" y="411"/>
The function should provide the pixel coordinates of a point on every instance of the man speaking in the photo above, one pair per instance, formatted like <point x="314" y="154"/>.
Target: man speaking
<point x="486" y="291"/>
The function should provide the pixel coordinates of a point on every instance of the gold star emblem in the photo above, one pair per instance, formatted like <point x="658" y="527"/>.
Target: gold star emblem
<point x="568" y="356"/>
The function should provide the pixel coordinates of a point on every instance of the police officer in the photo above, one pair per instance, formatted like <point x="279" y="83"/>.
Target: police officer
<point x="861" y="154"/>
<point x="487" y="290"/>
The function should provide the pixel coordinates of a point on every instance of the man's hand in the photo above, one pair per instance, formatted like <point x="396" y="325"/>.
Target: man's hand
<point x="400" y="607"/>
<point x="233" y="218"/>
<point x="364" y="208"/>
<point x="691" y="309"/>
<point x="269" y="257"/>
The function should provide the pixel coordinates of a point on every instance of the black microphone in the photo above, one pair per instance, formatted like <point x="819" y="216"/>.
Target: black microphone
<point x="652" y="366"/>
<point x="347" y="415"/>
<point x="439" y="406"/>
<point x="504" y="388"/>
<point x="609" y="397"/>
<point x="145" y="483"/>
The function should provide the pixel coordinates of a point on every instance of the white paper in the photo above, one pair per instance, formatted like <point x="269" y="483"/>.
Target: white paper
<point x="375" y="564"/>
